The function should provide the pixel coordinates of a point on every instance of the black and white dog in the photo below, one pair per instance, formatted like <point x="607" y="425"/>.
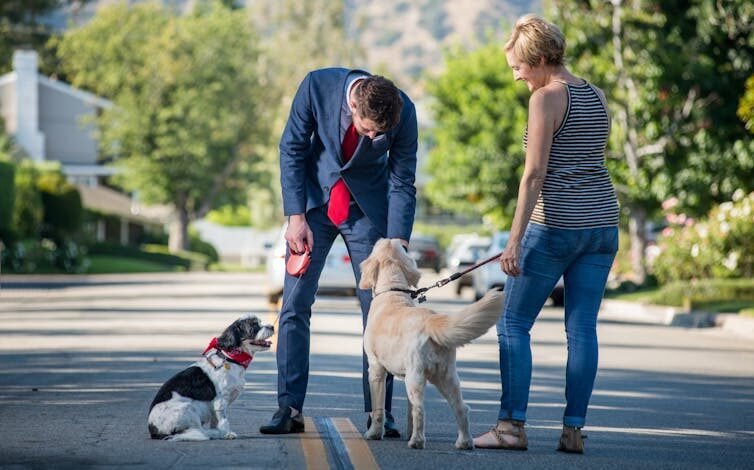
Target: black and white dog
<point x="193" y="404"/>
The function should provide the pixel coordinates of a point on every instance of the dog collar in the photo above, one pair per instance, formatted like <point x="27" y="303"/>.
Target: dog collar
<point x="410" y="292"/>
<point x="241" y="358"/>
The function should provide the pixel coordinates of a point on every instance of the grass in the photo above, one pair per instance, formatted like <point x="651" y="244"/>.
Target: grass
<point x="644" y="294"/>
<point x="104" y="264"/>
<point x="652" y="294"/>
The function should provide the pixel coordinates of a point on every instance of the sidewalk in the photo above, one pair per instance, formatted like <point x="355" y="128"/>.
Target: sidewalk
<point x="636" y="312"/>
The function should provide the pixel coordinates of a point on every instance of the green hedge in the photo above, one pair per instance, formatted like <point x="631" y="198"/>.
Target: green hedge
<point x="63" y="209"/>
<point x="694" y="295"/>
<point x="7" y="198"/>
<point x="28" y="211"/>
<point x="196" y="261"/>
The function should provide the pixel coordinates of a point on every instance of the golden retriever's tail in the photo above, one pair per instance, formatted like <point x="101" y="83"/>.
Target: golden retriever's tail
<point x="470" y="323"/>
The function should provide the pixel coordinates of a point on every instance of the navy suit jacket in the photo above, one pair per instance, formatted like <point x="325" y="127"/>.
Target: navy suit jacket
<point x="381" y="173"/>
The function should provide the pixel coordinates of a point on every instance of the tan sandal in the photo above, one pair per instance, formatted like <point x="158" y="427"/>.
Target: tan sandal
<point x="571" y="440"/>
<point x="494" y="439"/>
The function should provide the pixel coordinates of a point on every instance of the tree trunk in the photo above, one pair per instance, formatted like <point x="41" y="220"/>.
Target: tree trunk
<point x="637" y="224"/>
<point x="637" y="219"/>
<point x="178" y="238"/>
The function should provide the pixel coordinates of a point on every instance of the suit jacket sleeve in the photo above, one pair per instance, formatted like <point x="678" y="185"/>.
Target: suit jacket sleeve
<point x="402" y="163"/>
<point x="295" y="148"/>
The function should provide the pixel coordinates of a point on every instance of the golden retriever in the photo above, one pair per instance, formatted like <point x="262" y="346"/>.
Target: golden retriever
<point x="415" y="343"/>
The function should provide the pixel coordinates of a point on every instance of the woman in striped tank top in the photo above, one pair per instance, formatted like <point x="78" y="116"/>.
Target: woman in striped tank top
<point x="565" y="224"/>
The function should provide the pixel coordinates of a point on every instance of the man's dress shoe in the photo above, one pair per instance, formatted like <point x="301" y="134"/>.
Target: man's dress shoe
<point x="282" y="423"/>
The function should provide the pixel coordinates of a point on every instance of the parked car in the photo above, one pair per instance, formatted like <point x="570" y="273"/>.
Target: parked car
<point x="490" y="275"/>
<point x="337" y="276"/>
<point x="467" y="252"/>
<point x="425" y="250"/>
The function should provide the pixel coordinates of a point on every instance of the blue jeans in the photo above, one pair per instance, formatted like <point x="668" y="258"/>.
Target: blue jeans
<point x="583" y="257"/>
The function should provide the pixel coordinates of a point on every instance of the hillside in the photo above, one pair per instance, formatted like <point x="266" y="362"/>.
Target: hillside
<point x="402" y="39"/>
<point x="405" y="39"/>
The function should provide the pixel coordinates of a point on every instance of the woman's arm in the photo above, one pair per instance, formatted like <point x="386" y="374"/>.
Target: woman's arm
<point x="546" y="107"/>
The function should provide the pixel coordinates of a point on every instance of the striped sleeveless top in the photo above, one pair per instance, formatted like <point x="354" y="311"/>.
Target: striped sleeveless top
<point x="577" y="192"/>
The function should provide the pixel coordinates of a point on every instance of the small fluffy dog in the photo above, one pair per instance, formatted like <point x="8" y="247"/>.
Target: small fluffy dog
<point x="193" y="404"/>
<point x="414" y="343"/>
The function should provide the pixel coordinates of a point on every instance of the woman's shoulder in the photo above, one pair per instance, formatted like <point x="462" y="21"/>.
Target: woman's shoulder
<point x="549" y="96"/>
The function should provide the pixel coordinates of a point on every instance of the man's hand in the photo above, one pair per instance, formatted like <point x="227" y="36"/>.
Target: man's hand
<point x="298" y="234"/>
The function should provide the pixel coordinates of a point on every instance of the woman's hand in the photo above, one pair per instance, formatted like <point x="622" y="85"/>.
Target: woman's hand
<point x="509" y="260"/>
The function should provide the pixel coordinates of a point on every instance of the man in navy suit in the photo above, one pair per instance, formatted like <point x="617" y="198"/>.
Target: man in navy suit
<point x="347" y="166"/>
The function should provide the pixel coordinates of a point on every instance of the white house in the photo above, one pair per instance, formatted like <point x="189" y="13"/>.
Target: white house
<point x="53" y="121"/>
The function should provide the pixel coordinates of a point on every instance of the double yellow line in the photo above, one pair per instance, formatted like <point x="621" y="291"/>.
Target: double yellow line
<point x="335" y="443"/>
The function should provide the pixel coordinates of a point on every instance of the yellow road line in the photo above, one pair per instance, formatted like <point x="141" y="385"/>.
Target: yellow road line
<point x="313" y="447"/>
<point x="358" y="449"/>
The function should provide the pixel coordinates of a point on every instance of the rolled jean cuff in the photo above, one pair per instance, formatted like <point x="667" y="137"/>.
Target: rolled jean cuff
<point x="512" y="415"/>
<point x="574" y="421"/>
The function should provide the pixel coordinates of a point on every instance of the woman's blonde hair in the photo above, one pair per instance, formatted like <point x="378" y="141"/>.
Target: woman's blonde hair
<point x="534" y="38"/>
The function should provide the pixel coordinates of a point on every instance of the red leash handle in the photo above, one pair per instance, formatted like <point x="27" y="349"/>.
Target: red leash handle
<point x="298" y="262"/>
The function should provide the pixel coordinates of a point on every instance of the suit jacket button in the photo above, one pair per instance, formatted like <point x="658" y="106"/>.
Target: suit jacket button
<point x="326" y="188"/>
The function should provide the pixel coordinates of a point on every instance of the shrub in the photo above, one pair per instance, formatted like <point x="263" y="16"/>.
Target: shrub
<point x="720" y="246"/>
<point x="63" y="210"/>
<point x="7" y="198"/>
<point x="28" y="210"/>
<point x="197" y="245"/>
<point x="45" y="255"/>
<point x="195" y="261"/>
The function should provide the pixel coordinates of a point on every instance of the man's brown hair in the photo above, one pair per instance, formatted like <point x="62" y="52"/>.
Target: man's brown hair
<point x="379" y="100"/>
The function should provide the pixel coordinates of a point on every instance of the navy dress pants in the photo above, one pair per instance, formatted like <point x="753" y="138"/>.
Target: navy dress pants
<point x="299" y="294"/>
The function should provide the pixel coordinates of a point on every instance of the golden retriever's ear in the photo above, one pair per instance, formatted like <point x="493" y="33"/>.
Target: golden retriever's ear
<point x="368" y="273"/>
<point x="408" y="265"/>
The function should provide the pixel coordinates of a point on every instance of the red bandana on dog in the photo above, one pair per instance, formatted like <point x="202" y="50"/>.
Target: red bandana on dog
<point x="239" y="357"/>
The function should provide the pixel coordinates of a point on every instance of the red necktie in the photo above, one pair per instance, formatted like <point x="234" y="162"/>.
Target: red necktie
<point x="340" y="198"/>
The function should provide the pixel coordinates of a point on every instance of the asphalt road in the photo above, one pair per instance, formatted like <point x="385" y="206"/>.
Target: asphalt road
<point x="81" y="359"/>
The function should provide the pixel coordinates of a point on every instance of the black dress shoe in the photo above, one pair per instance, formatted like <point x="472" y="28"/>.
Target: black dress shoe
<point x="282" y="423"/>
<point x="391" y="430"/>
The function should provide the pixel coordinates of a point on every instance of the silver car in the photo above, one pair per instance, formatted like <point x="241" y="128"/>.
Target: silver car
<point x="337" y="276"/>
<point x="490" y="275"/>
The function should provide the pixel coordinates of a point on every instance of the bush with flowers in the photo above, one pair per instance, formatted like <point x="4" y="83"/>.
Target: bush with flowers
<point x="721" y="246"/>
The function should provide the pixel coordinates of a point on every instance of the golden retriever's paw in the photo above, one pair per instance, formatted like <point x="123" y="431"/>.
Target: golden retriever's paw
<point x="416" y="443"/>
<point x="465" y="444"/>
<point x="373" y="433"/>
<point x="230" y="435"/>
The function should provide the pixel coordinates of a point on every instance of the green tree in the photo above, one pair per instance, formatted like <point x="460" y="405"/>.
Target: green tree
<point x="669" y="72"/>
<point x="21" y="27"/>
<point x="478" y="154"/>
<point x="187" y="119"/>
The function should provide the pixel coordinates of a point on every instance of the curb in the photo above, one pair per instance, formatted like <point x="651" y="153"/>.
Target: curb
<point x="633" y="312"/>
